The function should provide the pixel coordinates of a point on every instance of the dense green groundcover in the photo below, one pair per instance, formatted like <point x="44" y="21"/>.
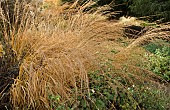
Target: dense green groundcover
<point x="104" y="95"/>
<point x="159" y="60"/>
<point x="110" y="91"/>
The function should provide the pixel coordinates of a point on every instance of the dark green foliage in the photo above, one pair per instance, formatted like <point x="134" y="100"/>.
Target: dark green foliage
<point x="150" y="10"/>
<point x="154" y="9"/>
<point x="151" y="47"/>
<point x="158" y="44"/>
<point x="103" y="2"/>
<point x="118" y="6"/>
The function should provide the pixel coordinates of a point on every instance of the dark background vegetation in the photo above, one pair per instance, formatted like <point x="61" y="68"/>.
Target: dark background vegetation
<point x="150" y="10"/>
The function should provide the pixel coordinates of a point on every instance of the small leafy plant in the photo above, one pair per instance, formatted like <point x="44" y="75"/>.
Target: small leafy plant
<point x="55" y="103"/>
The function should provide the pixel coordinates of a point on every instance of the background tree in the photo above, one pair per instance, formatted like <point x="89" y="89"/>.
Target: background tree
<point x="152" y="9"/>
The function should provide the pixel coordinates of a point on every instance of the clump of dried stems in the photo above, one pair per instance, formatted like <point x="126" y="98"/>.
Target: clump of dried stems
<point x="49" y="48"/>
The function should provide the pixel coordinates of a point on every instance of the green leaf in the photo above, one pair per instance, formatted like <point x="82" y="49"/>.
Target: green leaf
<point x="100" y="104"/>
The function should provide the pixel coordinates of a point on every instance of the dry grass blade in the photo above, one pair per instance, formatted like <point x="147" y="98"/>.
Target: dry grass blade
<point x="51" y="60"/>
<point x="158" y="33"/>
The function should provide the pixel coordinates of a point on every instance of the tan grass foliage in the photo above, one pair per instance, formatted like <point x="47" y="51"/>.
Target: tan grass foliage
<point x="55" y="2"/>
<point x="52" y="59"/>
<point x="51" y="70"/>
<point x="1" y="50"/>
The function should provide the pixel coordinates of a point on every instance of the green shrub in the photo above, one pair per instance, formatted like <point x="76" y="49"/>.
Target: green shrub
<point x="160" y="62"/>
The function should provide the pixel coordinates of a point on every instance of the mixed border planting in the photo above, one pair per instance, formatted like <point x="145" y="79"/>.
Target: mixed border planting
<point x="68" y="56"/>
